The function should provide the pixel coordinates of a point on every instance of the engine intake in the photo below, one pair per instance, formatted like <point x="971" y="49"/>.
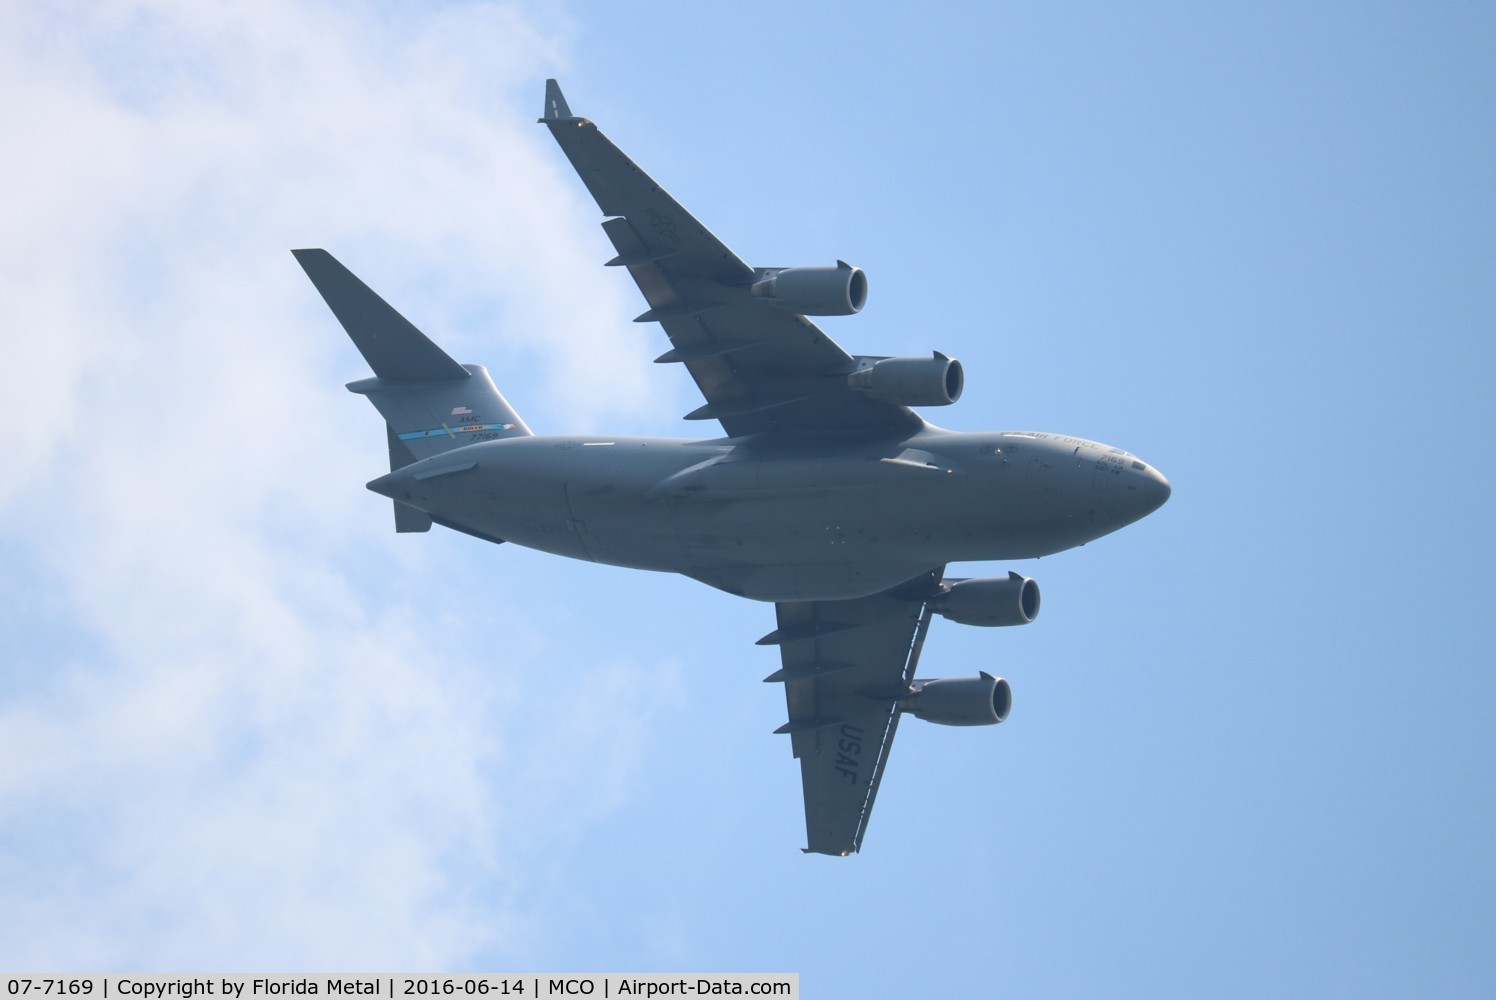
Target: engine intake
<point x="933" y="381"/>
<point x="988" y="602"/>
<point x="983" y="700"/>
<point x="814" y="291"/>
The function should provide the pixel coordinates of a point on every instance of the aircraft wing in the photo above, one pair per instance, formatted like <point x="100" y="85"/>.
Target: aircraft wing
<point x="845" y="665"/>
<point x="760" y="366"/>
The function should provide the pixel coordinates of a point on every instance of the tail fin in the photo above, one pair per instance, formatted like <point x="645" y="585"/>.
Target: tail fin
<point x="430" y="403"/>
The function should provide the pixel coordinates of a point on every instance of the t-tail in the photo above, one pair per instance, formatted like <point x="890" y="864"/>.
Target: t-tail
<point x="429" y="402"/>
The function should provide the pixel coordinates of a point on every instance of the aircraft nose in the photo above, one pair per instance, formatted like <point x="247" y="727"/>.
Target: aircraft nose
<point x="1155" y="488"/>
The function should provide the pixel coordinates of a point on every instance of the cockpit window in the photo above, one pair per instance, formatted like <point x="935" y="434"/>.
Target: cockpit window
<point x="1139" y="466"/>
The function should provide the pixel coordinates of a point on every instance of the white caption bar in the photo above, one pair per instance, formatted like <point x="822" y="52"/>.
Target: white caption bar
<point x="397" y="986"/>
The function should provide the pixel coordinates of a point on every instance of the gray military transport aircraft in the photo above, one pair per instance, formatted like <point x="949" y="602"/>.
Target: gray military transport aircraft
<point x="826" y="494"/>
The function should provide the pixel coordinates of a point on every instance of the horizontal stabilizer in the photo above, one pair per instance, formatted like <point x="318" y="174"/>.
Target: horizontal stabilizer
<point x="393" y="347"/>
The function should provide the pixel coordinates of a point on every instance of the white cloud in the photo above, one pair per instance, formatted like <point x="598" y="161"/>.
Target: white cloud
<point x="262" y="751"/>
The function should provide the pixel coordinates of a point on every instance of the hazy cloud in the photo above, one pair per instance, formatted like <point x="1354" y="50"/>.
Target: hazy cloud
<point x="229" y="734"/>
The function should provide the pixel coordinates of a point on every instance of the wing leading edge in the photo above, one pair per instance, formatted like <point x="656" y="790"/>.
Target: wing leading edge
<point x="759" y="366"/>
<point x="845" y="664"/>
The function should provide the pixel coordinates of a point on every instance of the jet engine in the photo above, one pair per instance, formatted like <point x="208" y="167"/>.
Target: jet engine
<point x="933" y="381"/>
<point x="983" y="700"/>
<point x="814" y="291"/>
<point x="988" y="602"/>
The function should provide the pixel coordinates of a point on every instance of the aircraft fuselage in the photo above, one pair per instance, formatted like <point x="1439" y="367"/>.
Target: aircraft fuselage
<point x="828" y="494"/>
<point x="779" y="519"/>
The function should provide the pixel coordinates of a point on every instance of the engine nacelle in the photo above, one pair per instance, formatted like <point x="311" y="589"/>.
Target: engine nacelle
<point x="814" y="291"/>
<point x="988" y="602"/>
<point x="983" y="700"/>
<point x="933" y="381"/>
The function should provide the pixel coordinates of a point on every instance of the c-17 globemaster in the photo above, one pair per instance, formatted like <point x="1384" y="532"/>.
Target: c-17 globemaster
<point x="827" y="494"/>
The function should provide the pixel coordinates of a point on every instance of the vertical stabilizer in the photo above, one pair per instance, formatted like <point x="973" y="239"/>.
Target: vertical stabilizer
<point x="430" y="403"/>
<point x="407" y="518"/>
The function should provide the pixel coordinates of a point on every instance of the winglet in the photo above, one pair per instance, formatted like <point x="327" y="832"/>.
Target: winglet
<point x="555" y="103"/>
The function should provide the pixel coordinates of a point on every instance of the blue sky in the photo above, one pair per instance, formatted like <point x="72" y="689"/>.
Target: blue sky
<point x="244" y="726"/>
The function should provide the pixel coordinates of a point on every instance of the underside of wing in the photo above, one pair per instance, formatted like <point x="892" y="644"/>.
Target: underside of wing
<point x="845" y="667"/>
<point x="760" y="364"/>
